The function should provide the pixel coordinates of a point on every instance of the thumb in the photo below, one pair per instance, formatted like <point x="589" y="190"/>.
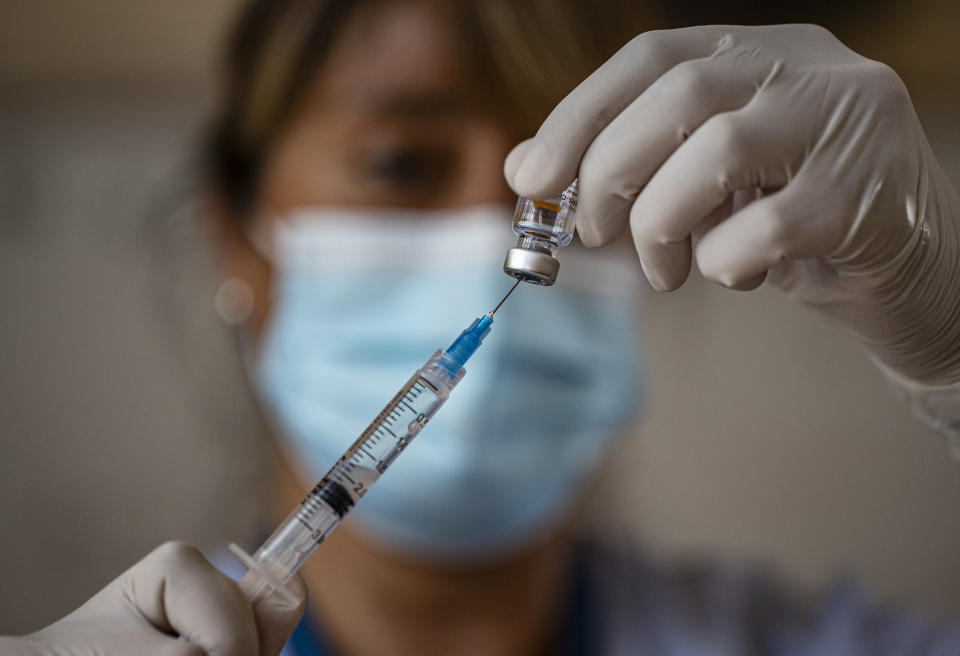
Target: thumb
<point x="513" y="162"/>
<point x="276" y="617"/>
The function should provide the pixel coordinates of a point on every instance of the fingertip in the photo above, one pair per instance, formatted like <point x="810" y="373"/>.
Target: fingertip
<point x="286" y="605"/>
<point x="528" y="178"/>
<point x="599" y="232"/>
<point x="589" y="235"/>
<point x="277" y="617"/>
<point x="666" y="266"/>
<point x="749" y="284"/>
<point x="176" y="551"/>
<point x="661" y="283"/>
<point x="714" y="267"/>
<point x="539" y="172"/>
<point x="513" y="161"/>
<point x="284" y="610"/>
<point x="724" y="257"/>
<point x="297" y="587"/>
<point x="665" y="279"/>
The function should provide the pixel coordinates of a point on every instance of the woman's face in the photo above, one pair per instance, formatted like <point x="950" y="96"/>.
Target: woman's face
<point x="392" y="119"/>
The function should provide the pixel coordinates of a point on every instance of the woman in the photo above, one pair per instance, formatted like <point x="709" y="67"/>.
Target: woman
<point x="347" y="128"/>
<point x="375" y="232"/>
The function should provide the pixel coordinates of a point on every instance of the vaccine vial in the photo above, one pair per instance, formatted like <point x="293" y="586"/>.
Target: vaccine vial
<point x="542" y="227"/>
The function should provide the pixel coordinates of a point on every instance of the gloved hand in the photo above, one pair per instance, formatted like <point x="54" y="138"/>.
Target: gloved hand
<point x="172" y="592"/>
<point x="767" y="150"/>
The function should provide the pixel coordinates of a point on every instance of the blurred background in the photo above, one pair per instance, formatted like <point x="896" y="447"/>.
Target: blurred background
<point x="124" y="420"/>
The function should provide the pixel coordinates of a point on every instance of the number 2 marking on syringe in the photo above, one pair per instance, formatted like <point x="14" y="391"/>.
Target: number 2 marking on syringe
<point x="371" y="452"/>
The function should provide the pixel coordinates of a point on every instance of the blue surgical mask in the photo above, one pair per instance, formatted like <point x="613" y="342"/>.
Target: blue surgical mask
<point x="362" y="299"/>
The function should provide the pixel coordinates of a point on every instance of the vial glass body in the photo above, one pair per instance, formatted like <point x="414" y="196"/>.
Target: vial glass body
<point x="542" y="227"/>
<point x="546" y="225"/>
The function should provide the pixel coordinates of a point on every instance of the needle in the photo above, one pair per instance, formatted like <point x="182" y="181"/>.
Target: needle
<point x="506" y="296"/>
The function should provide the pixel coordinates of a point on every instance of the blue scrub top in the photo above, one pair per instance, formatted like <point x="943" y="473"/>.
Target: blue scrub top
<point x="620" y="604"/>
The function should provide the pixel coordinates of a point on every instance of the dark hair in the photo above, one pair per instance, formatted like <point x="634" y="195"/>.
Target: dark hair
<point x="243" y="128"/>
<point x="532" y="52"/>
<point x="829" y="13"/>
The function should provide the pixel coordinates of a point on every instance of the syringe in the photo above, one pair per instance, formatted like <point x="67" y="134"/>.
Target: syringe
<point x="322" y="510"/>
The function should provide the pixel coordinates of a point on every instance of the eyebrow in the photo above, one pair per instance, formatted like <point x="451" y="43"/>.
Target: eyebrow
<point x="412" y="104"/>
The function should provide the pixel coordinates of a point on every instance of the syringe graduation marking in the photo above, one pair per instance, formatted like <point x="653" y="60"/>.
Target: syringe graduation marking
<point x="363" y="452"/>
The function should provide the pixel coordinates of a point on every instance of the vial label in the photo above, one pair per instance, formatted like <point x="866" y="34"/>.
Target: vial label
<point x="568" y="197"/>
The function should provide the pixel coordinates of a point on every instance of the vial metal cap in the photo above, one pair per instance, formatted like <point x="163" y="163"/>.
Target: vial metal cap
<point x="531" y="266"/>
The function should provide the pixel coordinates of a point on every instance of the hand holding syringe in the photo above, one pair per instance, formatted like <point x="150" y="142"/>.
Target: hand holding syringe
<point x="360" y="466"/>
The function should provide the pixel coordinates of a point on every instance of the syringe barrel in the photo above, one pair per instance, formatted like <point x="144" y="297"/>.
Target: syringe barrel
<point x="297" y="536"/>
<point x="322" y="510"/>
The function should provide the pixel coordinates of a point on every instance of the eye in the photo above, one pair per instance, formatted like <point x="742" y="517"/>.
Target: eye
<point x="406" y="170"/>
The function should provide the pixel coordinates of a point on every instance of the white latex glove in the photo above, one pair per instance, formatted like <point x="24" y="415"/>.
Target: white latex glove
<point x="680" y="130"/>
<point x="172" y="592"/>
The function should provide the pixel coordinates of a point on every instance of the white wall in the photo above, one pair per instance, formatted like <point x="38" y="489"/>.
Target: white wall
<point x="57" y="41"/>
